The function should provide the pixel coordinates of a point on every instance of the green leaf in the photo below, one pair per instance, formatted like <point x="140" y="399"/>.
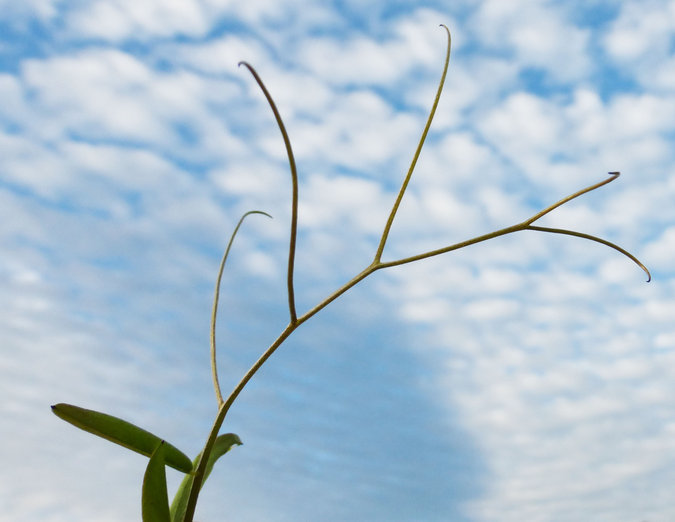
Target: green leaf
<point x="121" y="432"/>
<point x="223" y="444"/>
<point x="155" y="502"/>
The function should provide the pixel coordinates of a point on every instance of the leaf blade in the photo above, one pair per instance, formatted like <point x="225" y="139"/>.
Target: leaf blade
<point x="223" y="444"/>
<point x="121" y="432"/>
<point x="155" y="500"/>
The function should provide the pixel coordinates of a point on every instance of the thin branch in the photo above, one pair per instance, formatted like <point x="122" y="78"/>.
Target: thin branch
<point x="613" y="176"/>
<point x="294" y="202"/>
<point x="216" y="297"/>
<point x="456" y="246"/>
<point x="404" y="186"/>
<point x="527" y="225"/>
<point x="597" y="240"/>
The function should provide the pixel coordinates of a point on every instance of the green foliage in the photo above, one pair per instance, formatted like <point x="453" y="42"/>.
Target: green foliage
<point x="155" y="503"/>
<point x="223" y="444"/>
<point x="123" y="433"/>
<point x="155" y="500"/>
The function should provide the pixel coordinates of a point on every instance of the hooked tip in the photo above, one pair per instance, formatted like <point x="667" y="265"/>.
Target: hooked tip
<point x="645" y="270"/>
<point x="615" y="174"/>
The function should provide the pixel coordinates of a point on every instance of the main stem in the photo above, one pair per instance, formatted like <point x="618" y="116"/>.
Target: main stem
<point x="225" y="406"/>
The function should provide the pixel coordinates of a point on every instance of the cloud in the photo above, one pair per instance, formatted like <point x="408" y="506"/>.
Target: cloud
<point x="122" y="19"/>
<point x="536" y="34"/>
<point x="660" y="251"/>
<point x="640" y="39"/>
<point x="215" y="56"/>
<point x="41" y="9"/>
<point x="111" y="95"/>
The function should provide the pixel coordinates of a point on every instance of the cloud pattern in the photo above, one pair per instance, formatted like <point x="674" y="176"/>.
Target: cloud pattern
<point x="527" y="378"/>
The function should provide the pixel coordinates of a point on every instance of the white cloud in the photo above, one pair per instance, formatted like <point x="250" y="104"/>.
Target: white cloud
<point x="633" y="116"/>
<point x="642" y="28"/>
<point x="416" y="42"/>
<point x="98" y="93"/>
<point x="641" y="39"/>
<point x="536" y="34"/>
<point x="109" y="95"/>
<point x="491" y="309"/>
<point x="216" y="56"/>
<point x="118" y="20"/>
<point x="353" y="203"/>
<point x="331" y="59"/>
<point x="660" y="253"/>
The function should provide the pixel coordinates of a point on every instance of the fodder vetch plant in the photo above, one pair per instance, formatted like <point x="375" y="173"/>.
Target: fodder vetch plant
<point x="155" y="503"/>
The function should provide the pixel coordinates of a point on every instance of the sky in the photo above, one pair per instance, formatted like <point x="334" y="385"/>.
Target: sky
<point x="530" y="377"/>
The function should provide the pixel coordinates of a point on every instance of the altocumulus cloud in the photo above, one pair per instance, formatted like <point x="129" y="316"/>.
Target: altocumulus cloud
<point x="528" y="378"/>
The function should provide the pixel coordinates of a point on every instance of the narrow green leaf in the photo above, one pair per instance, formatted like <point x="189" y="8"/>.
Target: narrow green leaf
<point x="155" y="501"/>
<point x="223" y="444"/>
<point x="121" y="432"/>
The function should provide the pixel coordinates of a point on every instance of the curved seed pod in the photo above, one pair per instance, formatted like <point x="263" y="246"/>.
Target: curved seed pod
<point x="155" y="500"/>
<point x="223" y="444"/>
<point x="121" y="432"/>
<point x="216" y="297"/>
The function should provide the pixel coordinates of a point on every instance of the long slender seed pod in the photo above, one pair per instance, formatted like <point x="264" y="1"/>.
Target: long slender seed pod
<point x="294" y="200"/>
<point x="597" y="240"/>
<point x="404" y="186"/>
<point x="538" y="215"/>
<point x="216" y="297"/>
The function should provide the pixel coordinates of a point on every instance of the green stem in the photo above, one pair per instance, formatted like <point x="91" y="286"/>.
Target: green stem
<point x="613" y="176"/>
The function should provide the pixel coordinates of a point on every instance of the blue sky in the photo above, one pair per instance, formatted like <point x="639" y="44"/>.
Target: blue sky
<point x="526" y="378"/>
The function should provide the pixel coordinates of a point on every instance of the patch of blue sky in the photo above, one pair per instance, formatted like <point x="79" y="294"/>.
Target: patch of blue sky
<point x="361" y="457"/>
<point x="20" y="42"/>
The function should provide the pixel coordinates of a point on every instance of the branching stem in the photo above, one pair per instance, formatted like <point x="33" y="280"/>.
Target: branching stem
<point x="373" y="267"/>
<point x="377" y="264"/>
